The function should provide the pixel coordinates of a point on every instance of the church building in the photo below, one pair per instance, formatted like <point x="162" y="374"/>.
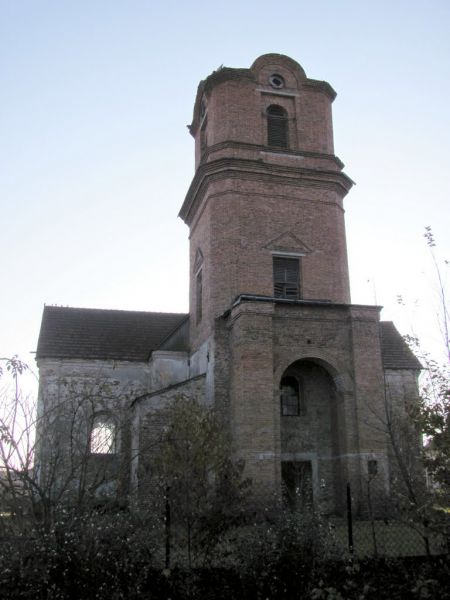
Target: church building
<point x="300" y="375"/>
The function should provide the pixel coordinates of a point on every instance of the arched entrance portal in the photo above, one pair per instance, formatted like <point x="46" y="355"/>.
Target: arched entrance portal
<point x="310" y="437"/>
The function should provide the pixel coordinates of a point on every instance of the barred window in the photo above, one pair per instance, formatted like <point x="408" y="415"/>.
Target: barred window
<point x="277" y="126"/>
<point x="286" y="277"/>
<point x="103" y="435"/>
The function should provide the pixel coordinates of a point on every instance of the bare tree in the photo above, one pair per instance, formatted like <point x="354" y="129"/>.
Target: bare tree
<point x="195" y="476"/>
<point x="443" y="314"/>
<point x="61" y="454"/>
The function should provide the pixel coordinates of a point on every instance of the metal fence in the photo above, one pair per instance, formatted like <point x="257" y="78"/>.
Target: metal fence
<point x="387" y="538"/>
<point x="391" y="536"/>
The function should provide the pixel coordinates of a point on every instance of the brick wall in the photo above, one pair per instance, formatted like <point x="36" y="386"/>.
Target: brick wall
<point x="247" y="202"/>
<point x="245" y="194"/>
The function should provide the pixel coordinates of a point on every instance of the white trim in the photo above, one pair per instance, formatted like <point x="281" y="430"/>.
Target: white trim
<point x="292" y="254"/>
<point x="287" y="154"/>
<point x="272" y="92"/>
<point x="203" y="119"/>
<point x="168" y="354"/>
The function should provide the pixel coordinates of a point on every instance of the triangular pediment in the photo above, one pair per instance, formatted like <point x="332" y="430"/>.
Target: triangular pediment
<point x="288" y="242"/>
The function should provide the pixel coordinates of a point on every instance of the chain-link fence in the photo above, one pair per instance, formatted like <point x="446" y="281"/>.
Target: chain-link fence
<point x="387" y="531"/>
<point x="387" y="537"/>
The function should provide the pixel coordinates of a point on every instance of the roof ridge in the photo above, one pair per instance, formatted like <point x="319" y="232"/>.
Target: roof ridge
<point x="110" y="310"/>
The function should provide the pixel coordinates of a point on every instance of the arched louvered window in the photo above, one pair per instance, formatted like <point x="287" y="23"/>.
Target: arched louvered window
<point x="277" y="126"/>
<point x="286" y="277"/>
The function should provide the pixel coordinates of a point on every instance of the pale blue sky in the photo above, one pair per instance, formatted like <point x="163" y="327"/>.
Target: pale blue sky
<point x="96" y="158"/>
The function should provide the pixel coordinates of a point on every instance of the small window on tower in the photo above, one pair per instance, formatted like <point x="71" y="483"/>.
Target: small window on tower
<point x="372" y="468"/>
<point x="277" y="126"/>
<point x="286" y="277"/>
<point x="291" y="396"/>
<point x="276" y="81"/>
<point x="199" y="296"/>
<point x="203" y="136"/>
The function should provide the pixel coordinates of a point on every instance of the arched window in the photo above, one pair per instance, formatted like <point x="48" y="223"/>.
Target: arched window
<point x="290" y="397"/>
<point x="198" y="263"/>
<point x="103" y="435"/>
<point x="277" y="126"/>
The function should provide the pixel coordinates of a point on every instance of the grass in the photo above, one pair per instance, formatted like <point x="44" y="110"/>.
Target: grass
<point x="386" y="538"/>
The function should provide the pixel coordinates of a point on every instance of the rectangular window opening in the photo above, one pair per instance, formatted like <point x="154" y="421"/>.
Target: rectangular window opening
<point x="286" y="277"/>
<point x="372" y="467"/>
<point x="297" y="484"/>
<point x="203" y="137"/>
<point x="292" y="397"/>
<point x="199" y="296"/>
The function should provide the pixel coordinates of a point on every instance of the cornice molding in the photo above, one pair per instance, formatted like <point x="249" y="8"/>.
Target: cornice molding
<point x="320" y="86"/>
<point x="320" y="304"/>
<point x="232" y="168"/>
<point x="266" y="149"/>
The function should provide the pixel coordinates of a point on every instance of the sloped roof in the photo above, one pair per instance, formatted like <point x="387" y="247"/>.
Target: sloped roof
<point x="132" y="335"/>
<point x="395" y="351"/>
<point x="104" y="334"/>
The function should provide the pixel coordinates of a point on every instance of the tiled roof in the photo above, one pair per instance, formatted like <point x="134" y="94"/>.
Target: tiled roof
<point x="132" y="335"/>
<point x="395" y="351"/>
<point x="104" y="334"/>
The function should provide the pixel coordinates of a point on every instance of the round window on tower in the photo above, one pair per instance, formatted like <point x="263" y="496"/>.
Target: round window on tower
<point x="276" y="81"/>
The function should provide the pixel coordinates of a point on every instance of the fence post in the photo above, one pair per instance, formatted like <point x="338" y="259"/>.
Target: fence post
<point x="167" y="527"/>
<point x="349" y="520"/>
<point x="372" y="520"/>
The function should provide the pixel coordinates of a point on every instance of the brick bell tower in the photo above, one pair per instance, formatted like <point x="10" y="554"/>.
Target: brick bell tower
<point x="294" y="368"/>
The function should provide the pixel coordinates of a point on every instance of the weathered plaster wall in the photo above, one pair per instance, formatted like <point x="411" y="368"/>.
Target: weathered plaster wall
<point x="72" y="392"/>
<point x="149" y="419"/>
